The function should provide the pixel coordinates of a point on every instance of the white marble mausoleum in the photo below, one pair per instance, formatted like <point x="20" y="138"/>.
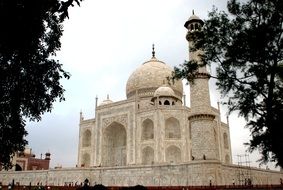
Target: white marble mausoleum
<point x="152" y="138"/>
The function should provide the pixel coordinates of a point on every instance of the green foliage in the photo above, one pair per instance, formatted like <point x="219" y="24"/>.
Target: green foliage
<point x="29" y="74"/>
<point x="280" y="72"/>
<point x="247" y="46"/>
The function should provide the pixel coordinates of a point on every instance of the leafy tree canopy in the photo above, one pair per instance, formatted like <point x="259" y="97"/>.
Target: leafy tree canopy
<point x="29" y="74"/>
<point x="246" y="44"/>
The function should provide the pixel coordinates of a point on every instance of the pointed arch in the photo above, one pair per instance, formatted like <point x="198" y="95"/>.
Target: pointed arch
<point x="167" y="103"/>
<point x="114" y="144"/>
<point x="147" y="155"/>
<point x="172" y="128"/>
<point x="173" y="154"/>
<point x="147" y="129"/>
<point x="86" y="138"/>
<point x="191" y="26"/>
<point x="197" y="26"/>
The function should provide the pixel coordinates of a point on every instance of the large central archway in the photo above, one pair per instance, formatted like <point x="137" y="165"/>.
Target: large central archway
<point x="114" y="145"/>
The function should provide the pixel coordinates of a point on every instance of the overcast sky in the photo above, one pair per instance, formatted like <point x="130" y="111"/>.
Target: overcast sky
<point x="103" y="42"/>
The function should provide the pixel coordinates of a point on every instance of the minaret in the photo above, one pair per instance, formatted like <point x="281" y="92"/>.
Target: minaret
<point x="203" y="135"/>
<point x="199" y="90"/>
<point x="81" y="116"/>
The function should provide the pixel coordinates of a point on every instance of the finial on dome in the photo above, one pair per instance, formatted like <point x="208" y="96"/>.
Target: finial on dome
<point x="107" y="96"/>
<point x="193" y="12"/>
<point x="153" y="51"/>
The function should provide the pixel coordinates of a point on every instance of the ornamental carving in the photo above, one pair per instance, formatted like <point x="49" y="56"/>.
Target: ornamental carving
<point x="201" y="116"/>
<point x="122" y="119"/>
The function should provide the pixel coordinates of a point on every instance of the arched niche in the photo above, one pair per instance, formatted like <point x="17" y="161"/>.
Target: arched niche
<point x="114" y="145"/>
<point x="86" y="160"/>
<point x="191" y="27"/>
<point x="86" y="138"/>
<point x="225" y="140"/>
<point x="173" y="154"/>
<point x="147" y="129"/>
<point x="172" y="128"/>
<point x="18" y="167"/>
<point x="167" y="103"/>
<point x="147" y="155"/>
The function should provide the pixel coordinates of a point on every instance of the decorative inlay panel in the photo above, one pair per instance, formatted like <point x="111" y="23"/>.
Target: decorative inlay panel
<point x="122" y="119"/>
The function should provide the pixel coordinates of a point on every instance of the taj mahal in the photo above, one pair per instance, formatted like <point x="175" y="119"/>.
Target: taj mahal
<point x="153" y="126"/>
<point x="153" y="138"/>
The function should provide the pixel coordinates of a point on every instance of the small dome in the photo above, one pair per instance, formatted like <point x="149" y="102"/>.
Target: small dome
<point x="193" y="18"/>
<point x="107" y="101"/>
<point x="164" y="91"/>
<point x="47" y="154"/>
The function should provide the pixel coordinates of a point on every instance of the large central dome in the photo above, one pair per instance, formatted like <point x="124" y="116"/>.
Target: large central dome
<point x="148" y="77"/>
